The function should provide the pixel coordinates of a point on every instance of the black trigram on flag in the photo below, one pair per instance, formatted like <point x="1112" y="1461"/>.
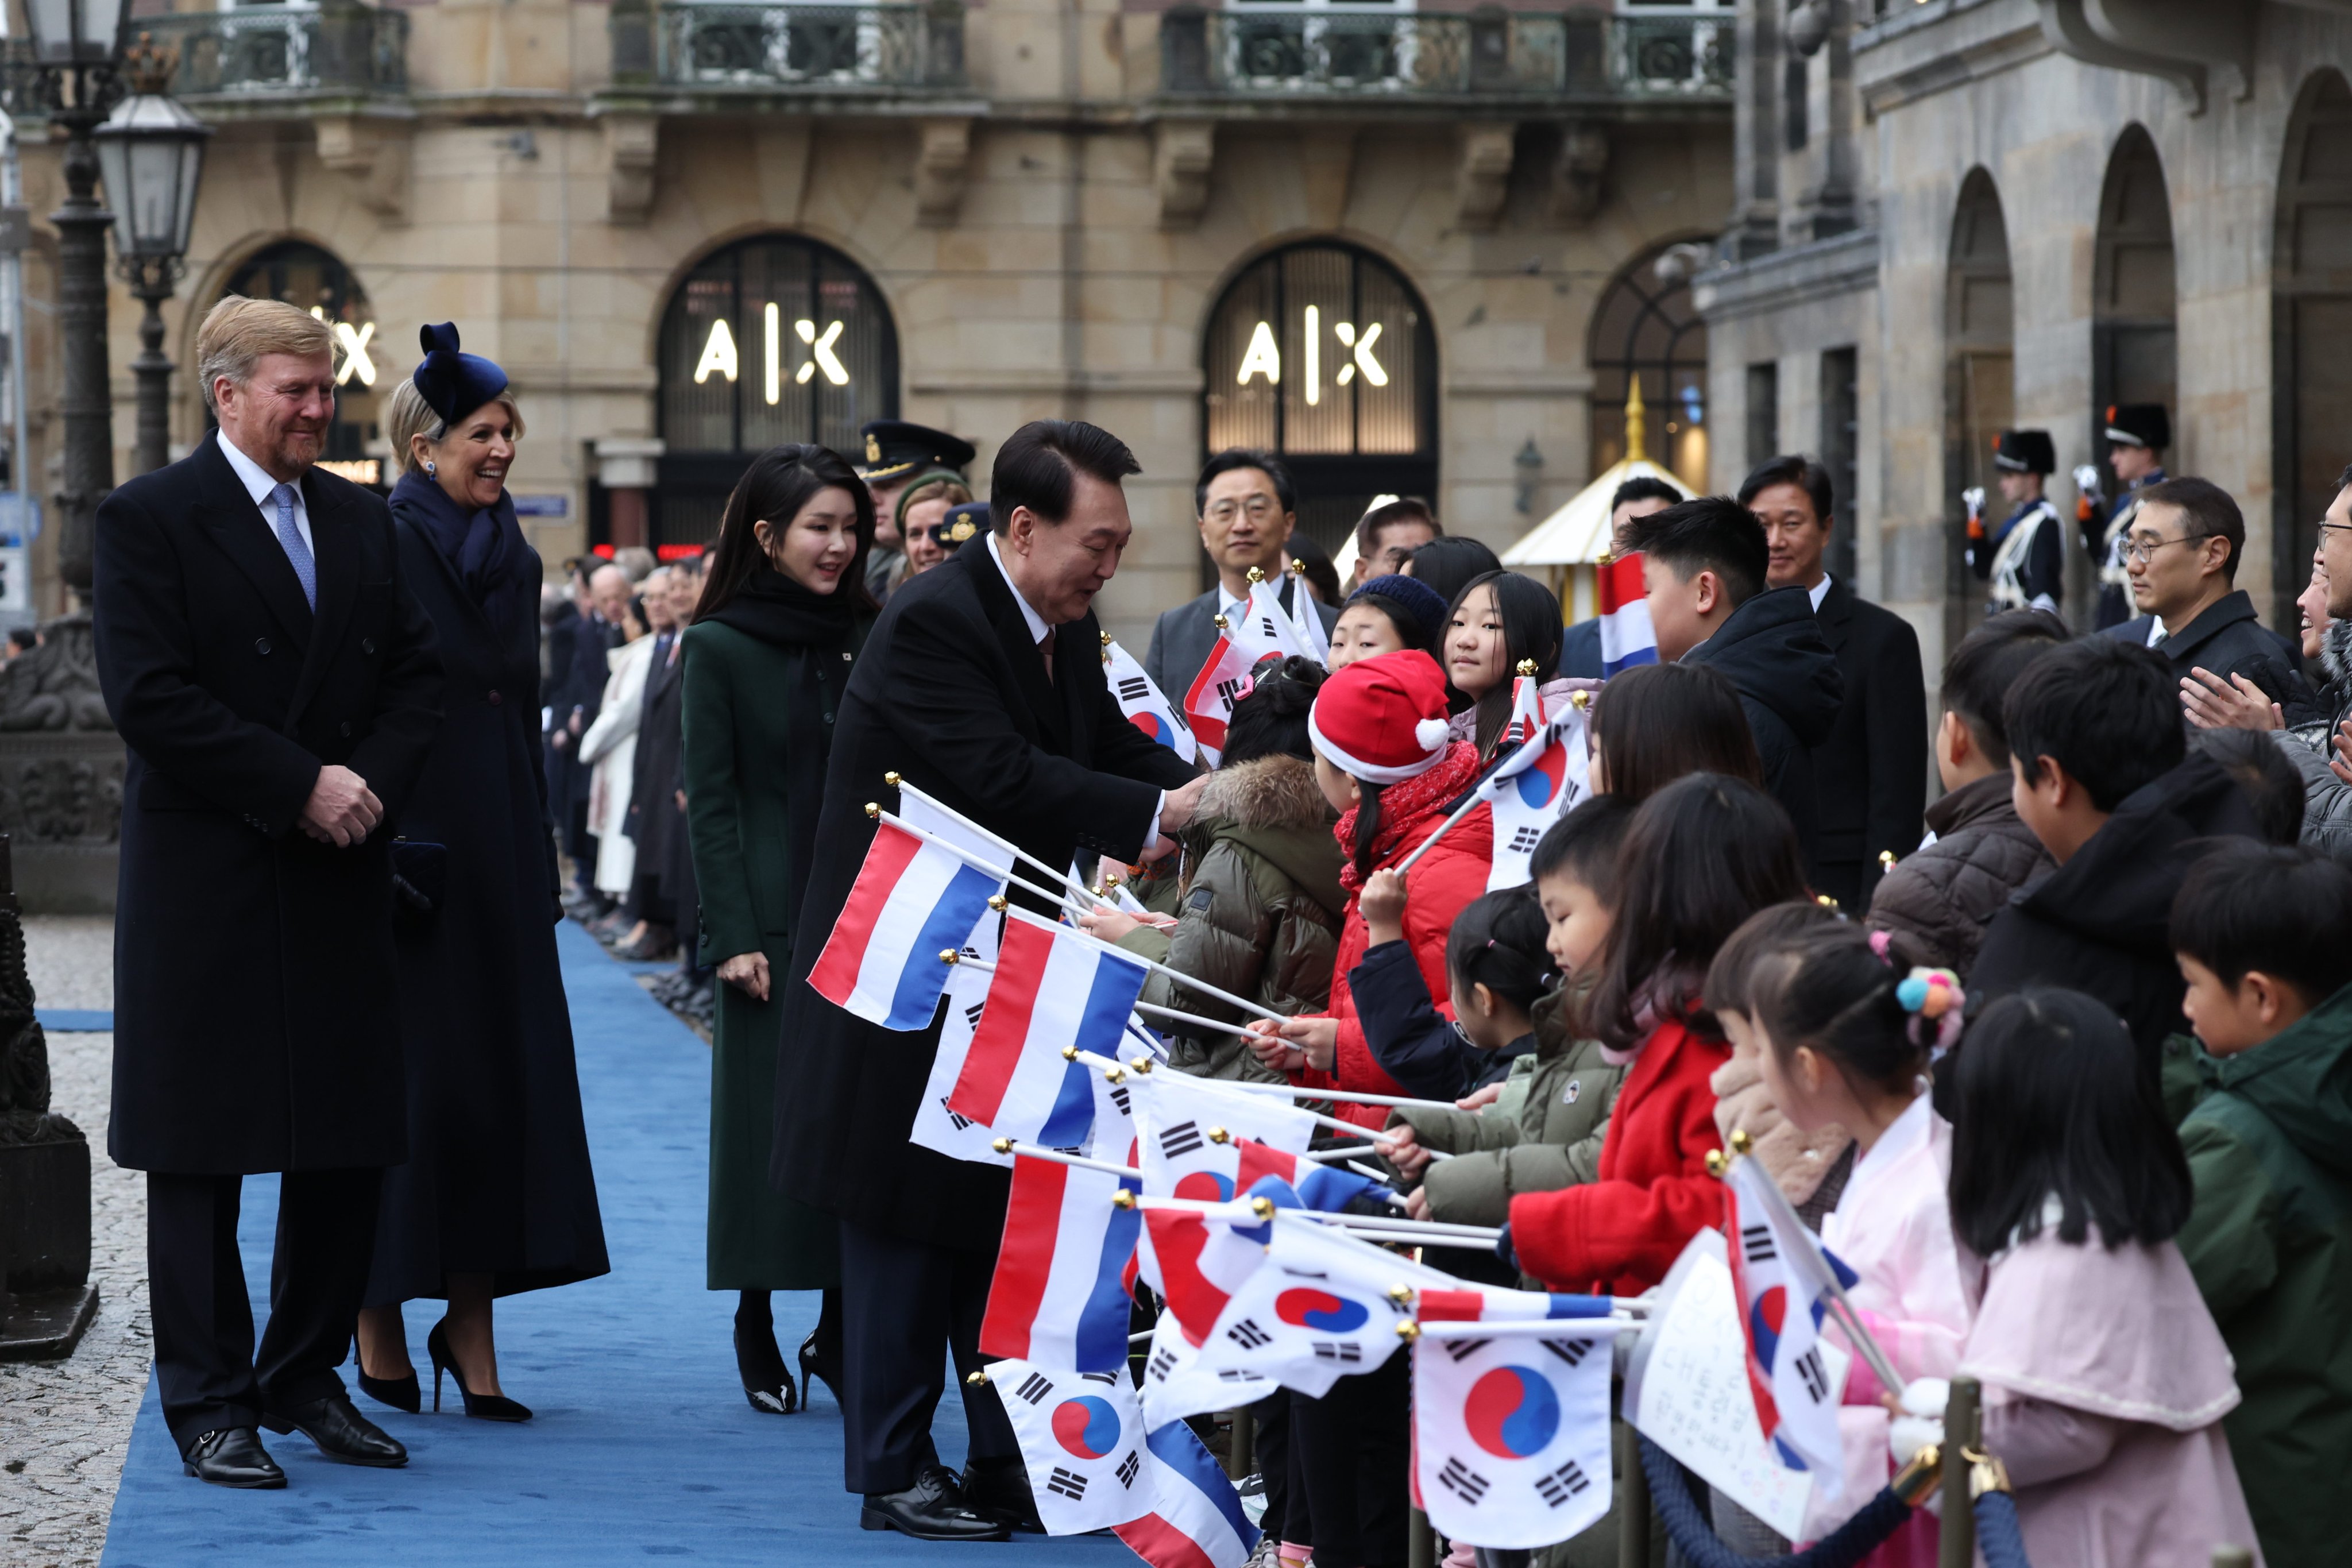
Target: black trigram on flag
<point x="1463" y="1481"/>
<point x="1234" y="1375"/>
<point x="1338" y="1350"/>
<point x="1179" y="1140"/>
<point x="1265" y="628"/>
<point x="1109" y="1377"/>
<point x="972" y="1015"/>
<point x="1563" y="1483"/>
<point x="1524" y="840"/>
<point x="1160" y="1365"/>
<point x="1134" y="688"/>
<point x="1248" y="1335"/>
<point x="1573" y="1352"/>
<point x="1118" y="1098"/>
<point x="1128" y="1468"/>
<point x="1808" y="1368"/>
<point x="1069" y="1483"/>
<point x="961" y="1121"/>
<point x="1756" y="1243"/>
<point x="1228" y="692"/>
<point x="1033" y="1388"/>
<point x="1459" y="1349"/>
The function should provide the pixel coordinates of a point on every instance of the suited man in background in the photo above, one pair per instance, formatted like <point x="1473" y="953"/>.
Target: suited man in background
<point x="981" y="684"/>
<point x="1246" y="507"/>
<point x="277" y="686"/>
<point x="1871" y="776"/>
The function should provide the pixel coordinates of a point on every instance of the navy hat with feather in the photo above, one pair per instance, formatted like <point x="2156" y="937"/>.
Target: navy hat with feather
<point x="453" y="384"/>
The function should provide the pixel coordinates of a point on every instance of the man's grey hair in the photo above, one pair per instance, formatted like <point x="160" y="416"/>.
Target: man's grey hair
<point x="237" y="331"/>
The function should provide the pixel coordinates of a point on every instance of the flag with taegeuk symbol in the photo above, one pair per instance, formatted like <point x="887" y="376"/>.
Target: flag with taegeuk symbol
<point x="1782" y="1279"/>
<point x="1209" y="700"/>
<point x="1510" y="1441"/>
<point x="1321" y="1308"/>
<point x="1531" y="789"/>
<point x="1082" y="1440"/>
<point x="1145" y="706"/>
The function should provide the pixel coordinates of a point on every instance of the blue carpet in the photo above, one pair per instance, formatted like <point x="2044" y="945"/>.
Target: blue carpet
<point x="643" y="1445"/>
<point x="76" y="1020"/>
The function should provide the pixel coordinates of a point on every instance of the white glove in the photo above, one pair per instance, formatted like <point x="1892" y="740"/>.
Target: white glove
<point x="1973" y="498"/>
<point x="2087" y="479"/>
<point x="1922" y="1421"/>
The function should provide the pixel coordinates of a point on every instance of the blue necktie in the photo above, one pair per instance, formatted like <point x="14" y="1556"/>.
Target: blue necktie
<point x="296" y="552"/>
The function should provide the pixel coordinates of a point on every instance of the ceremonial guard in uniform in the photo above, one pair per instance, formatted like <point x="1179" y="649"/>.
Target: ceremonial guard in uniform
<point x="2024" y="560"/>
<point x="2137" y="433"/>
<point x="897" y="453"/>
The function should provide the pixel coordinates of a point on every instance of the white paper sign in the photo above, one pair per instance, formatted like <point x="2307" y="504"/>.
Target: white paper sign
<point x="1687" y="1390"/>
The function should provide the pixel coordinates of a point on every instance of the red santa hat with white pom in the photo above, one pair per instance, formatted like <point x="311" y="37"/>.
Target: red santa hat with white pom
<point x="1383" y="720"/>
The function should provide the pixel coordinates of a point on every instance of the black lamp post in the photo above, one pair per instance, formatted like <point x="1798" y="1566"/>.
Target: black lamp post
<point x="75" y="45"/>
<point x="151" y="150"/>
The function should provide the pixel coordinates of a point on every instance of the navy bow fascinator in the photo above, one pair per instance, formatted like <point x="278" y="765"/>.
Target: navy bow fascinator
<point x="455" y="383"/>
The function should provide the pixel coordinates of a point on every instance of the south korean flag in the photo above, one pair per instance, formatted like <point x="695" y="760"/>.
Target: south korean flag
<point x="1083" y="1440"/>
<point x="1176" y="1385"/>
<point x="1511" y="1430"/>
<point x="1323" y="1308"/>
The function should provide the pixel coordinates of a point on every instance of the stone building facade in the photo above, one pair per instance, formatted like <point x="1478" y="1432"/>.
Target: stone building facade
<point x="1377" y="236"/>
<point x="1953" y="215"/>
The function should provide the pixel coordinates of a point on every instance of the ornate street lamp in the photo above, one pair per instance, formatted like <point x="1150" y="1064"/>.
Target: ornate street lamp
<point x="74" y="47"/>
<point x="152" y="153"/>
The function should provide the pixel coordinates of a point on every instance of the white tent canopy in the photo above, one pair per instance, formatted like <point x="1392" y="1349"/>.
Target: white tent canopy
<point x="1577" y="533"/>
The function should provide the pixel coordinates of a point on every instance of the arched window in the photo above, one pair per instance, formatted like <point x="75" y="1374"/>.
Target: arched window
<point x="770" y="340"/>
<point x="1322" y="354"/>
<point x="313" y="279"/>
<point x="2132" y="329"/>
<point x="1646" y="326"/>
<point x="2312" y="320"/>
<point x="1980" y="388"/>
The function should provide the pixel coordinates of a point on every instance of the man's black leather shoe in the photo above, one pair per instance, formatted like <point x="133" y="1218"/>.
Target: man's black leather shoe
<point x="999" y="1490"/>
<point x="932" y="1510"/>
<point x="342" y="1434"/>
<point x="233" y="1457"/>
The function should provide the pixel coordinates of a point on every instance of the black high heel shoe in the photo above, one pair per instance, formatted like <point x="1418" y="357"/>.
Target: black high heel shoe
<point x="817" y="1369"/>
<point x="480" y="1406"/>
<point x="769" y="1386"/>
<point x="400" y="1392"/>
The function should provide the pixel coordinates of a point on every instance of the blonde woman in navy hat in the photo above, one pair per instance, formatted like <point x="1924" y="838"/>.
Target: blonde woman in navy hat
<point x="498" y="1196"/>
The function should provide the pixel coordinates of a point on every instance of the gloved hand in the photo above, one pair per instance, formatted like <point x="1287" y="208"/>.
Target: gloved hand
<point x="1503" y="1249"/>
<point x="1921" y="1421"/>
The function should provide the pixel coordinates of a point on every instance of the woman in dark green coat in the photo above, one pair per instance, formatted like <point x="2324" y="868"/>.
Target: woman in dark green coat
<point x="766" y="659"/>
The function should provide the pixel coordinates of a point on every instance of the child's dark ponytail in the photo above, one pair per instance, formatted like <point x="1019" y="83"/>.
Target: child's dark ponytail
<point x="1497" y="942"/>
<point x="1851" y="996"/>
<point x="1368" y="827"/>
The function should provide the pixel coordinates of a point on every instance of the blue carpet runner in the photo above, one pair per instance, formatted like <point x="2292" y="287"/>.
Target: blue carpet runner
<point x="644" y="1447"/>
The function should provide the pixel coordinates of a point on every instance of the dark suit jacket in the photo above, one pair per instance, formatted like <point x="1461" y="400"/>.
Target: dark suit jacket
<point x="2226" y="638"/>
<point x="951" y="693"/>
<point x="1579" y="651"/>
<point x="1182" y="638"/>
<point x="257" y="1012"/>
<point x="1871" y="774"/>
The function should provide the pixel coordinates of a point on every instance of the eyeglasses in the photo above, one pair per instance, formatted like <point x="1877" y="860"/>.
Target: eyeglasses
<point x="2323" y="527"/>
<point x="1259" y="508"/>
<point x="2144" y="550"/>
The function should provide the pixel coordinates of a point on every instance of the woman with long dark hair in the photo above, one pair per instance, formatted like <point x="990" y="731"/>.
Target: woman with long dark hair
<point x="766" y="660"/>
<point x="1656" y="722"/>
<point x="1497" y="622"/>
<point x="498" y="1196"/>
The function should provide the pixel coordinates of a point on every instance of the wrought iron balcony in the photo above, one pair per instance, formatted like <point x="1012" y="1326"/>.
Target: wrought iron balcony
<point x="261" y="50"/>
<point x="1657" y="53"/>
<point x="704" y="44"/>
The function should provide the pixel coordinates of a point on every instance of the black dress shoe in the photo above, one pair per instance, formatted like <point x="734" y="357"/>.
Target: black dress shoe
<point x="342" y="1434"/>
<point x="233" y="1457"/>
<point x="931" y="1510"/>
<point x="999" y="1490"/>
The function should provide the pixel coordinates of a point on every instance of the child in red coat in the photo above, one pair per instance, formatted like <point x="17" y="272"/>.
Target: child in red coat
<point x="1384" y="761"/>
<point x="1702" y="854"/>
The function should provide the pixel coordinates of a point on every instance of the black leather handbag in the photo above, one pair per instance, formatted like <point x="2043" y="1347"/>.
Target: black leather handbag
<point x="420" y="876"/>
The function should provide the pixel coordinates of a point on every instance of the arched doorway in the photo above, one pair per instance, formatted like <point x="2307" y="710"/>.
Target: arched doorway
<point x="2311" y="317"/>
<point x="2132" y="309"/>
<point x="1980" y="392"/>
<point x="1646" y="326"/>
<point x="316" y="281"/>
<point x="1322" y="354"/>
<point x="768" y="340"/>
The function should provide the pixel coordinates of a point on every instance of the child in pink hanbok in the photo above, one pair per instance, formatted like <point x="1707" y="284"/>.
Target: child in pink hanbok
<point x="1841" y="1034"/>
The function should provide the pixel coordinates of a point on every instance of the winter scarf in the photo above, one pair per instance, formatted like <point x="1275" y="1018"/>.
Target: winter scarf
<point x="1405" y="805"/>
<point x="485" y="548"/>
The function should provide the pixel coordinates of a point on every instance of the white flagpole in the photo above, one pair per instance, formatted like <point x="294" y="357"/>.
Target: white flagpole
<point x="1032" y="1151"/>
<point x="1067" y="933"/>
<point x="1060" y="874"/>
<point x="1443" y="827"/>
<point x="970" y="859"/>
<point x="1531" y="1327"/>
<point x="1223" y="1086"/>
<point x="1348" y="1095"/>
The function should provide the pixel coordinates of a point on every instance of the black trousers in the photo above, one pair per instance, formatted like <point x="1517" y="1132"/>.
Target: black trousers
<point x="206" y="1370"/>
<point x="904" y="1302"/>
<point x="1353" y="1448"/>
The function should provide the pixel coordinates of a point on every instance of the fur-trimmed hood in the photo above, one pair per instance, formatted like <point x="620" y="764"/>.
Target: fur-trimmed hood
<point x="1277" y="791"/>
<point x="2336" y="655"/>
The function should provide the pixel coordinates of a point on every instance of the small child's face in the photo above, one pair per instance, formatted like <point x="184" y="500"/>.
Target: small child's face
<point x="2234" y="1018"/>
<point x="1578" y="921"/>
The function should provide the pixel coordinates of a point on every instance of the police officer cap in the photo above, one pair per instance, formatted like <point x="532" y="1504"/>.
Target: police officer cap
<point x="453" y="384"/>
<point x="895" y="447"/>
<point x="2025" y="452"/>
<point x="2140" y="424"/>
<point x="961" y="525"/>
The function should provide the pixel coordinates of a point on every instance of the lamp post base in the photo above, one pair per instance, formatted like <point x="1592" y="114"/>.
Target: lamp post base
<point x="46" y="1325"/>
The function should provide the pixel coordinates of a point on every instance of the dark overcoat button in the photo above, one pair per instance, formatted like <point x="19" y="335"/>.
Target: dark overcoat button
<point x="261" y="644"/>
<point x="347" y="732"/>
<point x="367" y="645"/>
<point x="495" y="700"/>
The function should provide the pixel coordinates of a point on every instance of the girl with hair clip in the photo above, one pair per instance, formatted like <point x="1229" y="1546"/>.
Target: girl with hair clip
<point x="2105" y="1378"/>
<point x="1497" y="971"/>
<point x="1706" y="852"/>
<point x="1843" y="1033"/>
<point x="1498" y="621"/>
<point x="1384" y="760"/>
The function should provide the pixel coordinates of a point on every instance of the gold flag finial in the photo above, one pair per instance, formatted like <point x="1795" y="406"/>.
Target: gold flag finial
<point x="996" y="902"/>
<point x="873" y="811"/>
<point x="1716" y="1164"/>
<point x="1400" y="1294"/>
<point x="1262" y="1207"/>
<point x="1256" y="574"/>
<point x="977" y="1379"/>
<point x="891" y="778"/>
<point x="1408" y="1330"/>
<point x="1069" y="1053"/>
<point x="1887" y="859"/>
<point x="1526" y="667"/>
<point x="1219" y="1135"/>
<point x="1122" y="1199"/>
<point x="1001" y="1146"/>
<point x="947" y="955"/>
<point x="1740" y="1141"/>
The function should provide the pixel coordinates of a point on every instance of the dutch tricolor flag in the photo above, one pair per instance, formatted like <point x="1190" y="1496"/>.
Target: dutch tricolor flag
<point x="1626" y="638"/>
<point x="1059" y="1297"/>
<point x="913" y="901"/>
<point x="1196" y="1519"/>
<point x="1054" y="987"/>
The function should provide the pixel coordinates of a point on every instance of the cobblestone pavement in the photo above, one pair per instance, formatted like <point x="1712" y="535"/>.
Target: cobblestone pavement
<point x="64" y="1425"/>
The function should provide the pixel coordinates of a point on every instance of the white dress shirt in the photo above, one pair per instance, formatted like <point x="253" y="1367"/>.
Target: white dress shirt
<point x="1037" y="630"/>
<point x="1818" y="592"/>
<point x="261" y="486"/>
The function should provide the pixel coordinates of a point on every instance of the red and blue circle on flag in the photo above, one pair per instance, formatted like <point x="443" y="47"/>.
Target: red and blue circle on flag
<point x="1512" y="1413"/>
<point x="1540" y="784"/>
<point x="1157" y="727"/>
<point x="1309" y="1309"/>
<point x="1765" y="1315"/>
<point x="1087" y="1427"/>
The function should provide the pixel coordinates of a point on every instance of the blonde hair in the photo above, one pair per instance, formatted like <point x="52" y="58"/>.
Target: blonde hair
<point x="931" y="486"/>
<point x="237" y="331"/>
<point x="407" y="415"/>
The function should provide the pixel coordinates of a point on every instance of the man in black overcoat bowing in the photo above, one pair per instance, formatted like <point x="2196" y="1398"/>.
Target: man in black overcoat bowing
<point x="981" y="685"/>
<point x="277" y="687"/>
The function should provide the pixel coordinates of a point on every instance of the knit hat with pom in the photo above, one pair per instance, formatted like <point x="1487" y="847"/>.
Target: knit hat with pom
<point x="1381" y="719"/>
